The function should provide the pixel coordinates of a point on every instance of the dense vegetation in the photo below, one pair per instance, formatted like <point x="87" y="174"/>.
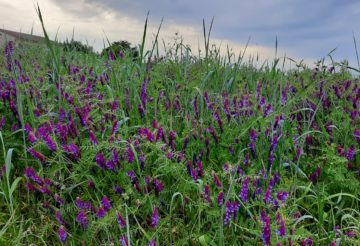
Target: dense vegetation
<point x="184" y="150"/>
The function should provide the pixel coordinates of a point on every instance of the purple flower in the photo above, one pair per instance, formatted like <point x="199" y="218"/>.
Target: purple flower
<point x="62" y="234"/>
<point x="152" y="243"/>
<point x="315" y="176"/>
<point x="281" y="225"/>
<point x="282" y="196"/>
<point x="100" y="160"/>
<point x="101" y="212"/>
<point x="154" y="217"/>
<point x="220" y="198"/>
<point x="132" y="176"/>
<point x="218" y="120"/>
<point x="82" y="219"/>
<point x="266" y="230"/>
<point x="206" y="194"/>
<point x="357" y="136"/>
<point x="268" y="110"/>
<point x="111" y="165"/>
<point x="217" y="181"/>
<point x="267" y="196"/>
<point x="194" y="174"/>
<point x="92" y="137"/>
<point x="37" y="155"/>
<point x="350" y="233"/>
<point x="159" y="186"/>
<point x="253" y="135"/>
<point x="196" y="109"/>
<point x="106" y="203"/>
<point x="118" y="189"/>
<point x="124" y="241"/>
<point x="50" y="143"/>
<point x="59" y="218"/>
<point x="130" y="154"/>
<point x="79" y="203"/>
<point x="351" y="153"/>
<point x="245" y="189"/>
<point x="120" y="220"/>
<point x="59" y="200"/>
<point x="230" y="211"/>
<point x="31" y="174"/>
<point x="172" y="135"/>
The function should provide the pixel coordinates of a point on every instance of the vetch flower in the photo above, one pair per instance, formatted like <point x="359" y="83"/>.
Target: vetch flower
<point x="37" y="155"/>
<point x="217" y="181"/>
<point x="100" y="160"/>
<point x="357" y="135"/>
<point x="245" y="189"/>
<point x="281" y="225"/>
<point x="106" y="203"/>
<point x="154" y="217"/>
<point x="220" y="198"/>
<point x="92" y="137"/>
<point x="206" y="194"/>
<point x="59" y="218"/>
<point x="82" y="219"/>
<point x="282" y="196"/>
<point x="266" y="229"/>
<point x="351" y="153"/>
<point x="50" y="143"/>
<point x="152" y="243"/>
<point x="120" y="220"/>
<point x="124" y="241"/>
<point x="62" y="234"/>
<point x="101" y="212"/>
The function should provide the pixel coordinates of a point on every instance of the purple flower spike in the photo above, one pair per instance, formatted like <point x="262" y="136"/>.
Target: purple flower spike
<point x="59" y="218"/>
<point x="217" y="181"/>
<point x="357" y="136"/>
<point x="266" y="233"/>
<point x="281" y="225"/>
<point x="62" y="234"/>
<point x="152" y="243"/>
<point x="351" y="153"/>
<point x="154" y="217"/>
<point x="120" y="220"/>
<point x="82" y="219"/>
<point x="130" y="154"/>
<point x="220" y="198"/>
<point x="50" y="143"/>
<point x="124" y="241"/>
<point x="37" y="155"/>
<point x="206" y="194"/>
<point x="92" y="137"/>
<point x="100" y="160"/>
<point x="245" y="189"/>
<point x="101" y="212"/>
<point x="282" y="196"/>
<point x="106" y="203"/>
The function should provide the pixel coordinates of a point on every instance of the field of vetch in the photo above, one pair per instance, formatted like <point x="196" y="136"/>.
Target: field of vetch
<point x="182" y="150"/>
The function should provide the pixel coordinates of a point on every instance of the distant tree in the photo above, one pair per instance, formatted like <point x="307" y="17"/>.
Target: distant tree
<point x="120" y="48"/>
<point x="74" y="45"/>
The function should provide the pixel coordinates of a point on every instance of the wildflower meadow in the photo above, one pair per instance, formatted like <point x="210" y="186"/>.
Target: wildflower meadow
<point x="176" y="149"/>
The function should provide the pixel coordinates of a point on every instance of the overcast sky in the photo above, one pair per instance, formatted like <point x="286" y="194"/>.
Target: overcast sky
<point x="305" y="29"/>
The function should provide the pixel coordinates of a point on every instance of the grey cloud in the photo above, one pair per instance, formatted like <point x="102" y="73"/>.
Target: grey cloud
<point x="304" y="28"/>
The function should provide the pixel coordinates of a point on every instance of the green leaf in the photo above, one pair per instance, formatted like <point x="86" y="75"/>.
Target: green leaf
<point x="14" y="185"/>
